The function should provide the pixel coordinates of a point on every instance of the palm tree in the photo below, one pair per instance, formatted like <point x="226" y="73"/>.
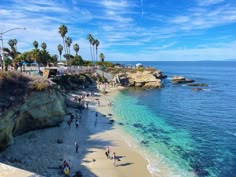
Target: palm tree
<point x="102" y="57"/>
<point x="76" y="48"/>
<point x="68" y="42"/>
<point x="13" y="53"/>
<point x="11" y="43"/>
<point x="36" y="44"/>
<point x="96" y="45"/>
<point x="90" y="39"/>
<point x="60" y="48"/>
<point x="44" y="46"/>
<point x="15" y="43"/>
<point x="93" y="44"/>
<point x="63" y="30"/>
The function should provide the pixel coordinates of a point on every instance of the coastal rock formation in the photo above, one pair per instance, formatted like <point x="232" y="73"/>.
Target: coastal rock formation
<point x="181" y="80"/>
<point x="144" y="79"/>
<point x="159" y="75"/>
<point x="38" y="110"/>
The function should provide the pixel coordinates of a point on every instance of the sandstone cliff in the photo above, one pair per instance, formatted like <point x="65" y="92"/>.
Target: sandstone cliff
<point x="28" y="110"/>
<point x="144" y="79"/>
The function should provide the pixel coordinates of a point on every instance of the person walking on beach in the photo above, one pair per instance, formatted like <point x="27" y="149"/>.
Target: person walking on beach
<point x="77" y="123"/>
<point x="114" y="158"/>
<point x="69" y="122"/>
<point x="107" y="152"/>
<point x="96" y="114"/>
<point x="76" y="147"/>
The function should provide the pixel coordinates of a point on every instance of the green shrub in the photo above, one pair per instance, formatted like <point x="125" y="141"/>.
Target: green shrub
<point x="40" y="84"/>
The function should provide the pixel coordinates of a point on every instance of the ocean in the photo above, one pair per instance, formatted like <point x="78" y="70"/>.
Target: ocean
<point x="193" y="133"/>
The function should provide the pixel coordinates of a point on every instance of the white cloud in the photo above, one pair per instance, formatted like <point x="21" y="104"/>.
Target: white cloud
<point x="209" y="2"/>
<point x="179" y="55"/>
<point x="202" y="18"/>
<point x="180" y="19"/>
<point x="117" y="5"/>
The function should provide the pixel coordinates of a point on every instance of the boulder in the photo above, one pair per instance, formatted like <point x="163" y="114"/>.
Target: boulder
<point x="60" y="141"/>
<point x="181" y="80"/>
<point x="139" y="84"/>
<point x="156" y="84"/>
<point x="159" y="75"/>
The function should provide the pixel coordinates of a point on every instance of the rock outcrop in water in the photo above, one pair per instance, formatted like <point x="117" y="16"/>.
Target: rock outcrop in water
<point x="181" y="80"/>
<point x="144" y="79"/>
<point x="29" y="110"/>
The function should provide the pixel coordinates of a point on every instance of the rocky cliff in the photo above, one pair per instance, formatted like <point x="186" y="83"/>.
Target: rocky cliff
<point x="28" y="110"/>
<point x="40" y="110"/>
<point x="144" y="79"/>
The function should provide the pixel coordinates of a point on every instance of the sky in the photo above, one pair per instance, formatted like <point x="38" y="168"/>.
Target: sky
<point x="133" y="30"/>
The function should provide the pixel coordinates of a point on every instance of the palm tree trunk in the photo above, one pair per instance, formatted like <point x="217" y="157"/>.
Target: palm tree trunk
<point x="91" y="53"/>
<point x="96" y="54"/>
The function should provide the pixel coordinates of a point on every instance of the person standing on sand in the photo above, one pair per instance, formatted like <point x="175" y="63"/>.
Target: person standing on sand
<point x="114" y="158"/>
<point x="76" y="147"/>
<point x="69" y="122"/>
<point x="77" y="123"/>
<point x="107" y="152"/>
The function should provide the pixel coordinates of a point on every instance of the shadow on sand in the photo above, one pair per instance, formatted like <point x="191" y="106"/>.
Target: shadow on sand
<point x="125" y="164"/>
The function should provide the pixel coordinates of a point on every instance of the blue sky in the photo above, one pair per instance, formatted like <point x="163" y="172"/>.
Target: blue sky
<point x="161" y="30"/>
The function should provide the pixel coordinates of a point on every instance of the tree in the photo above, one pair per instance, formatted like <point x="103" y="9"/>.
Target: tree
<point x="54" y="59"/>
<point x="90" y="39"/>
<point x="68" y="42"/>
<point x="12" y="53"/>
<point x="36" y="44"/>
<point x="96" y="44"/>
<point x="60" y="48"/>
<point x="15" y="42"/>
<point x="76" y="49"/>
<point x="93" y="44"/>
<point x="102" y="57"/>
<point x="7" y="62"/>
<point x="44" y="46"/>
<point x="44" y="57"/>
<point x="63" y="30"/>
<point x="35" y="55"/>
<point x="77" y="60"/>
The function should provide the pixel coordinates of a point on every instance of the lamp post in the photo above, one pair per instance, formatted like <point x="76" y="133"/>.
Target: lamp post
<point x="1" y="38"/>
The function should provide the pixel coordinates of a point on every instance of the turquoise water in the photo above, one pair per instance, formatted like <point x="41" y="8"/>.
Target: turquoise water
<point x="189" y="132"/>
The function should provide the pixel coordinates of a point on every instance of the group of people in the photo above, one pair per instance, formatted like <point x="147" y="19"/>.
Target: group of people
<point x="72" y="117"/>
<point x="113" y="157"/>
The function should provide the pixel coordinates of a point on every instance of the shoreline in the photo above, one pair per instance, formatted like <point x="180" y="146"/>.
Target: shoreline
<point x="155" y="166"/>
<point x="132" y="162"/>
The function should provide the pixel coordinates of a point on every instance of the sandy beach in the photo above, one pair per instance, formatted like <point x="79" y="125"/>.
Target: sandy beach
<point x="39" y="152"/>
